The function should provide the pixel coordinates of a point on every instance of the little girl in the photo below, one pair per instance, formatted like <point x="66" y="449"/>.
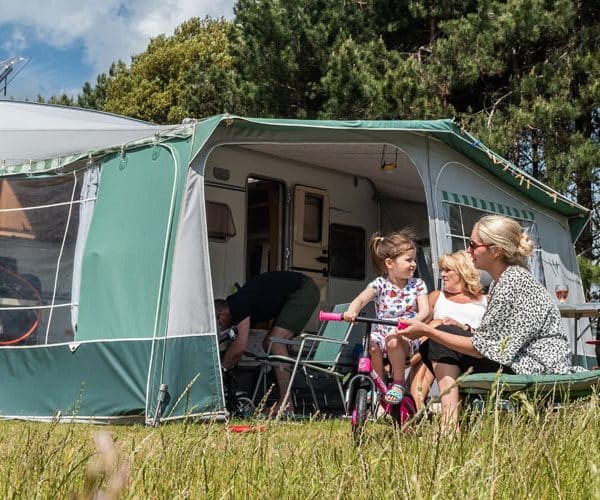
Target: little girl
<point x="397" y="295"/>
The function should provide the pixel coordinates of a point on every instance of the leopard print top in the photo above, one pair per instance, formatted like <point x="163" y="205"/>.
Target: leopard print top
<point x="521" y="327"/>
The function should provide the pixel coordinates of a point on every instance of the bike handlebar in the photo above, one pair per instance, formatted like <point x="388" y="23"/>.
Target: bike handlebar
<point x="330" y="316"/>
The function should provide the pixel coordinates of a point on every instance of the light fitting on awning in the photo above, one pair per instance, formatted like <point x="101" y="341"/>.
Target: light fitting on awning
<point x="388" y="166"/>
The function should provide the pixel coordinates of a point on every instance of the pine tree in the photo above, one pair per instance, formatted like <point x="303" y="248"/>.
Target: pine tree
<point x="523" y="75"/>
<point x="176" y="77"/>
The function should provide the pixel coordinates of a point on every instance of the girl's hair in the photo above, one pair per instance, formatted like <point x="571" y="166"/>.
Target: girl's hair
<point x="390" y="246"/>
<point x="508" y="235"/>
<point x="460" y="262"/>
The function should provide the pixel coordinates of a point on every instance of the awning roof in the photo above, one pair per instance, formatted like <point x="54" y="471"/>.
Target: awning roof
<point x="31" y="132"/>
<point x="38" y="138"/>
<point x="446" y="131"/>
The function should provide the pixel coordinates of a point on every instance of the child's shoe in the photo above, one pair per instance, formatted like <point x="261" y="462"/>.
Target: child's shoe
<point x="395" y="394"/>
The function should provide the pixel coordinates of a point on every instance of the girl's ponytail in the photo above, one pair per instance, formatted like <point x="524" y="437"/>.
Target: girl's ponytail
<point x="390" y="247"/>
<point x="377" y="258"/>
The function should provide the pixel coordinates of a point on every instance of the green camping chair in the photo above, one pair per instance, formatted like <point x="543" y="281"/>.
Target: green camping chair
<point x="316" y="353"/>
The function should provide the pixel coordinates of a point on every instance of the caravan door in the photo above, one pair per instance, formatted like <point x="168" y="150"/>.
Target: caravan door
<point x="264" y="226"/>
<point x="310" y="238"/>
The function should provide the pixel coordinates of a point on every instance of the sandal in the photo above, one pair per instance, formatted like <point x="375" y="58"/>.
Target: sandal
<point x="395" y="394"/>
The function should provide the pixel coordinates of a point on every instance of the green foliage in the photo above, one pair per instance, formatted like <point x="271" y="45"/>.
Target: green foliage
<point x="368" y="81"/>
<point x="95" y="97"/>
<point x="342" y="59"/>
<point x="62" y="100"/>
<point x="209" y="86"/>
<point x="590" y="276"/>
<point x="157" y="85"/>
<point x="282" y="49"/>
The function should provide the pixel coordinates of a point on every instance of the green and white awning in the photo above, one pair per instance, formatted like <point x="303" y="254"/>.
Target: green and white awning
<point x="39" y="166"/>
<point x="488" y="206"/>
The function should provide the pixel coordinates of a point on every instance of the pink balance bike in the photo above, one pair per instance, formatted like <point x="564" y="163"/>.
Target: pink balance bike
<point x="363" y="387"/>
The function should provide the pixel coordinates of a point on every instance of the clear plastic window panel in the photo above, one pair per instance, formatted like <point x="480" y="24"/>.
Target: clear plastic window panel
<point x="455" y="219"/>
<point x="461" y="220"/>
<point x="38" y="230"/>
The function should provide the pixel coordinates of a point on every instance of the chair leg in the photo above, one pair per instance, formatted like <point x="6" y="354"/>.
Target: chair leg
<point x="289" y="387"/>
<point x="286" y="398"/>
<point x="261" y="377"/>
<point x="342" y="396"/>
<point x="312" y="389"/>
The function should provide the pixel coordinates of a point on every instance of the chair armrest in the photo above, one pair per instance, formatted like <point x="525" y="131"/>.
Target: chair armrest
<point x="316" y="338"/>
<point x="278" y="340"/>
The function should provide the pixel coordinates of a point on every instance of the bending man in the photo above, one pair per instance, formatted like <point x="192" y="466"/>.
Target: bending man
<point x="286" y="297"/>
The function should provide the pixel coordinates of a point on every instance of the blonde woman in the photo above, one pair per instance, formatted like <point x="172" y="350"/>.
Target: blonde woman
<point x="459" y="301"/>
<point x="521" y="330"/>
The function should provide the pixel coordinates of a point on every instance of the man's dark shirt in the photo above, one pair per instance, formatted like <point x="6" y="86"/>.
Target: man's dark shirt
<point x="263" y="296"/>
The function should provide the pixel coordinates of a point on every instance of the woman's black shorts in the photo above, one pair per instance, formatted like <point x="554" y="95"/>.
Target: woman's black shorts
<point x="432" y="351"/>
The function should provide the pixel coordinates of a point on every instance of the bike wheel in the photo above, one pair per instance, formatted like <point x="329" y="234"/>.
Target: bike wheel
<point x="244" y="407"/>
<point x="359" y="414"/>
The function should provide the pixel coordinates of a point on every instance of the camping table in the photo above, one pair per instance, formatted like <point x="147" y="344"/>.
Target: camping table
<point x="578" y="311"/>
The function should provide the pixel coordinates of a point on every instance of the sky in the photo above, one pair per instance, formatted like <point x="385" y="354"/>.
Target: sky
<point x="70" y="42"/>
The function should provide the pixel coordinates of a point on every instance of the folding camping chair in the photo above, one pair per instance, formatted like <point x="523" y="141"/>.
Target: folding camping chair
<point x="556" y="388"/>
<point x="322" y="354"/>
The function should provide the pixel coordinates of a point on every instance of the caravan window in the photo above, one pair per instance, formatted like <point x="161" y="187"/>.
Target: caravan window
<point x="347" y="251"/>
<point x="462" y="218"/>
<point x="219" y="221"/>
<point x="313" y="218"/>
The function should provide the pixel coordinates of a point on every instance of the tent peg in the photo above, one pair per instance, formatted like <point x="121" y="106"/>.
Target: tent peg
<point x="163" y="394"/>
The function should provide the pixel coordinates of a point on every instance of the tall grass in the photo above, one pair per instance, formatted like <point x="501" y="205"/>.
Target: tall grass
<point x="548" y="454"/>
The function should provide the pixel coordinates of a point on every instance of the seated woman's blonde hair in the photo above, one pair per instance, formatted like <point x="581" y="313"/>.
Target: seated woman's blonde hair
<point x="508" y="235"/>
<point x="461" y="263"/>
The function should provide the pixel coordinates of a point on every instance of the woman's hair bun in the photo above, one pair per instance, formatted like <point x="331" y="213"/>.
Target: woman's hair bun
<point x="526" y="244"/>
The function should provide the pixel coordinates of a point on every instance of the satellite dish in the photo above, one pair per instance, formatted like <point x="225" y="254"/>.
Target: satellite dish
<point x="11" y="68"/>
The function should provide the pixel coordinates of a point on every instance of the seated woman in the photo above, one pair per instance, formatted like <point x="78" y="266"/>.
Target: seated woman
<point x="521" y="330"/>
<point x="461" y="300"/>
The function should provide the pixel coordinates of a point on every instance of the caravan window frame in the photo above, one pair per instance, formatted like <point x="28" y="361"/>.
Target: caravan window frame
<point x="221" y="229"/>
